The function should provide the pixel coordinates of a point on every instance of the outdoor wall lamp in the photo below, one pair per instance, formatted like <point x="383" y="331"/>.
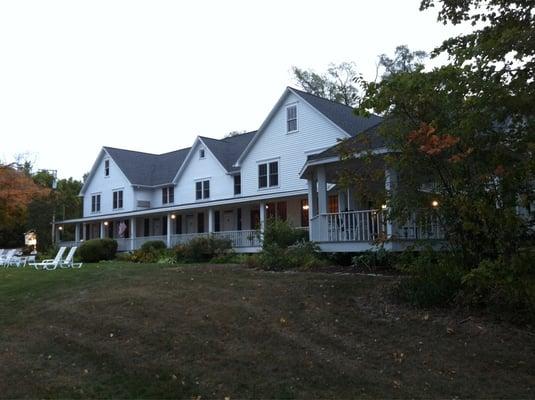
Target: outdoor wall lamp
<point x="105" y="223"/>
<point x="383" y="206"/>
<point x="306" y="207"/>
<point x="434" y="203"/>
<point x="173" y="216"/>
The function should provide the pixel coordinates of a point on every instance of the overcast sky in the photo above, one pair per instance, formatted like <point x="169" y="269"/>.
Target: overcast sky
<point x="152" y="75"/>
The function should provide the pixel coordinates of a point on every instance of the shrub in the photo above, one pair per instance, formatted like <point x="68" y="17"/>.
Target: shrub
<point x="154" y="245"/>
<point x="299" y="255"/>
<point x="95" y="250"/>
<point x="505" y="286"/>
<point x="202" y="249"/>
<point x="280" y="233"/>
<point x="434" y="279"/>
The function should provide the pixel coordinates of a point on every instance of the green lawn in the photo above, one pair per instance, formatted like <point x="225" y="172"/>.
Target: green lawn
<point x="155" y="331"/>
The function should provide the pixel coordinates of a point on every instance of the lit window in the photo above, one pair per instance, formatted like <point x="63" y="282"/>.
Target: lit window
<point x="291" y="118"/>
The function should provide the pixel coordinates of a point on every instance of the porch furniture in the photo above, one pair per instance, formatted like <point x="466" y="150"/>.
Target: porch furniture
<point x="6" y="258"/>
<point x="68" y="262"/>
<point x="50" y="264"/>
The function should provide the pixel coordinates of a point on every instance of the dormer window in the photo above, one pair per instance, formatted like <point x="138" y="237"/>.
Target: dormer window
<point x="201" y="154"/>
<point x="106" y="167"/>
<point x="291" y="118"/>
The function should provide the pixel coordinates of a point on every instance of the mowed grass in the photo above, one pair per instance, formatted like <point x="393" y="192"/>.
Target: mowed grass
<point x="116" y="330"/>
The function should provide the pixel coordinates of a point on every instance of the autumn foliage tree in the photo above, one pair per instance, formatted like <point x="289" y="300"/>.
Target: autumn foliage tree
<point x="463" y="133"/>
<point x="17" y="191"/>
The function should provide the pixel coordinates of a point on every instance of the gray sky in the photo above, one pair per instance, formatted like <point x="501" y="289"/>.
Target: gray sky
<point x="152" y="75"/>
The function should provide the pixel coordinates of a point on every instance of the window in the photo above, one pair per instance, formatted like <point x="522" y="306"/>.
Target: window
<point x="217" y="221"/>
<point x="237" y="184"/>
<point x="202" y="190"/>
<point x="117" y="199"/>
<point x="268" y="174"/>
<point x="106" y="167"/>
<point x="276" y="210"/>
<point x="238" y="217"/>
<point x="95" y="203"/>
<point x="146" y="227"/>
<point x="168" y="195"/>
<point x="291" y="118"/>
<point x="200" y="223"/>
<point x="333" y="203"/>
<point x="164" y="225"/>
<point x="178" y="225"/>
<point x="201" y="153"/>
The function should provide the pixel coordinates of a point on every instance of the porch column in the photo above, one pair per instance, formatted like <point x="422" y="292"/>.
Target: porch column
<point x="390" y="186"/>
<point x="322" y="190"/>
<point x="102" y="230"/>
<point x="133" y="233"/>
<point x="168" y="221"/>
<point x="77" y="232"/>
<point x="311" y="206"/>
<point x="211" y="220"/>
<point x="262" y="217"/>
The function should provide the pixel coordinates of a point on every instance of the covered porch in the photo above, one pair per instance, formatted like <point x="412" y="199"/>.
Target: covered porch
<point x="350" y="220"/>
<point x="241" y="223"/>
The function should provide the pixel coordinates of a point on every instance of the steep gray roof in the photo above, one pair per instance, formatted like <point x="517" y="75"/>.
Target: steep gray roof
<point x="340" y="114"/>
<point x="370" y="139"/>
<point x="229" y="149"/>
<point x="148" y="169"/>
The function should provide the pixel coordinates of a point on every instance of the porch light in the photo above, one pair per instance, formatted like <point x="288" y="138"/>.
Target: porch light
<point x="305" y="207"/>
<point x="105" y="223"/>
<point x="60" y="228"/>
<point x="383" y="206"/>
<point x="434" y="203"/>
<point x="173" y="216"/>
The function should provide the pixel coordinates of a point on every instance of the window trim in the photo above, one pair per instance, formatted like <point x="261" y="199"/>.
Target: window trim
<point x="120" y="199"/>
<point x="268" y="176"/>
<point x="237" y="193"/>
<point x="296" y="119"/>
<point x="169" y="196"/>
<point x="202" y="181"/>
<point x="106" y="168"/>
<point x="95" y="210"/>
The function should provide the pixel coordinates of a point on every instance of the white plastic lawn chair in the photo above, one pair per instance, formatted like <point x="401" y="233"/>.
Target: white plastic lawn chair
<point x="18" y="261"/>
<point x="50" y="264"/>
<point x="69" y="260"/>
<point x="6" y="258"/>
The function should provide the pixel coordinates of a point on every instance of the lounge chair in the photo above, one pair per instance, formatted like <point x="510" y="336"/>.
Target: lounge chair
<point x="50" y="264"/>
<point x="6" y="258"/>
<point x="69" y="260"/>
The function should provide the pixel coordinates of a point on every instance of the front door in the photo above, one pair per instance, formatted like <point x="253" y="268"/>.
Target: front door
<point x="228" y="220"/>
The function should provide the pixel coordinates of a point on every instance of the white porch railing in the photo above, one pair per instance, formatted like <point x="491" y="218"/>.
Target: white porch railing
<point x="414" y="229"/>
<point x="247" y="238"/>
<point x="350" y="226"/>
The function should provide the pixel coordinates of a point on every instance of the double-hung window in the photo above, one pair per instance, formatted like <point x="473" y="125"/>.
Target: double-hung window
<point x="291" y="118"/>
<point x="202" y="190"/>
<point x="237" y="184"/>
<point x="117" y="199"/>
<point x="268" y="174"/>
<point x="168" y="195"/>
<point x="95" y="203"/>
<point x="106" y="167"/>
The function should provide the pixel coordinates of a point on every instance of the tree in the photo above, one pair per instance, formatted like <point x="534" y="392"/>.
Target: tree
<point x="463" y="133"/>
<point x="17" y="190"/>
<point x="404" y="60"/>
<point x="339" y="83"/>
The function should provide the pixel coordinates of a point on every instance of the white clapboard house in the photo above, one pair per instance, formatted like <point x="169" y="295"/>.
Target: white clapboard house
<point x="228" y="187"/>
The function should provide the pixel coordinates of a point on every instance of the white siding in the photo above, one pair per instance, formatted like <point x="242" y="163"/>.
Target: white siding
<point x="105" y="185"/>
<point x="315" y="134"/>
<point x="221" y="184"/>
